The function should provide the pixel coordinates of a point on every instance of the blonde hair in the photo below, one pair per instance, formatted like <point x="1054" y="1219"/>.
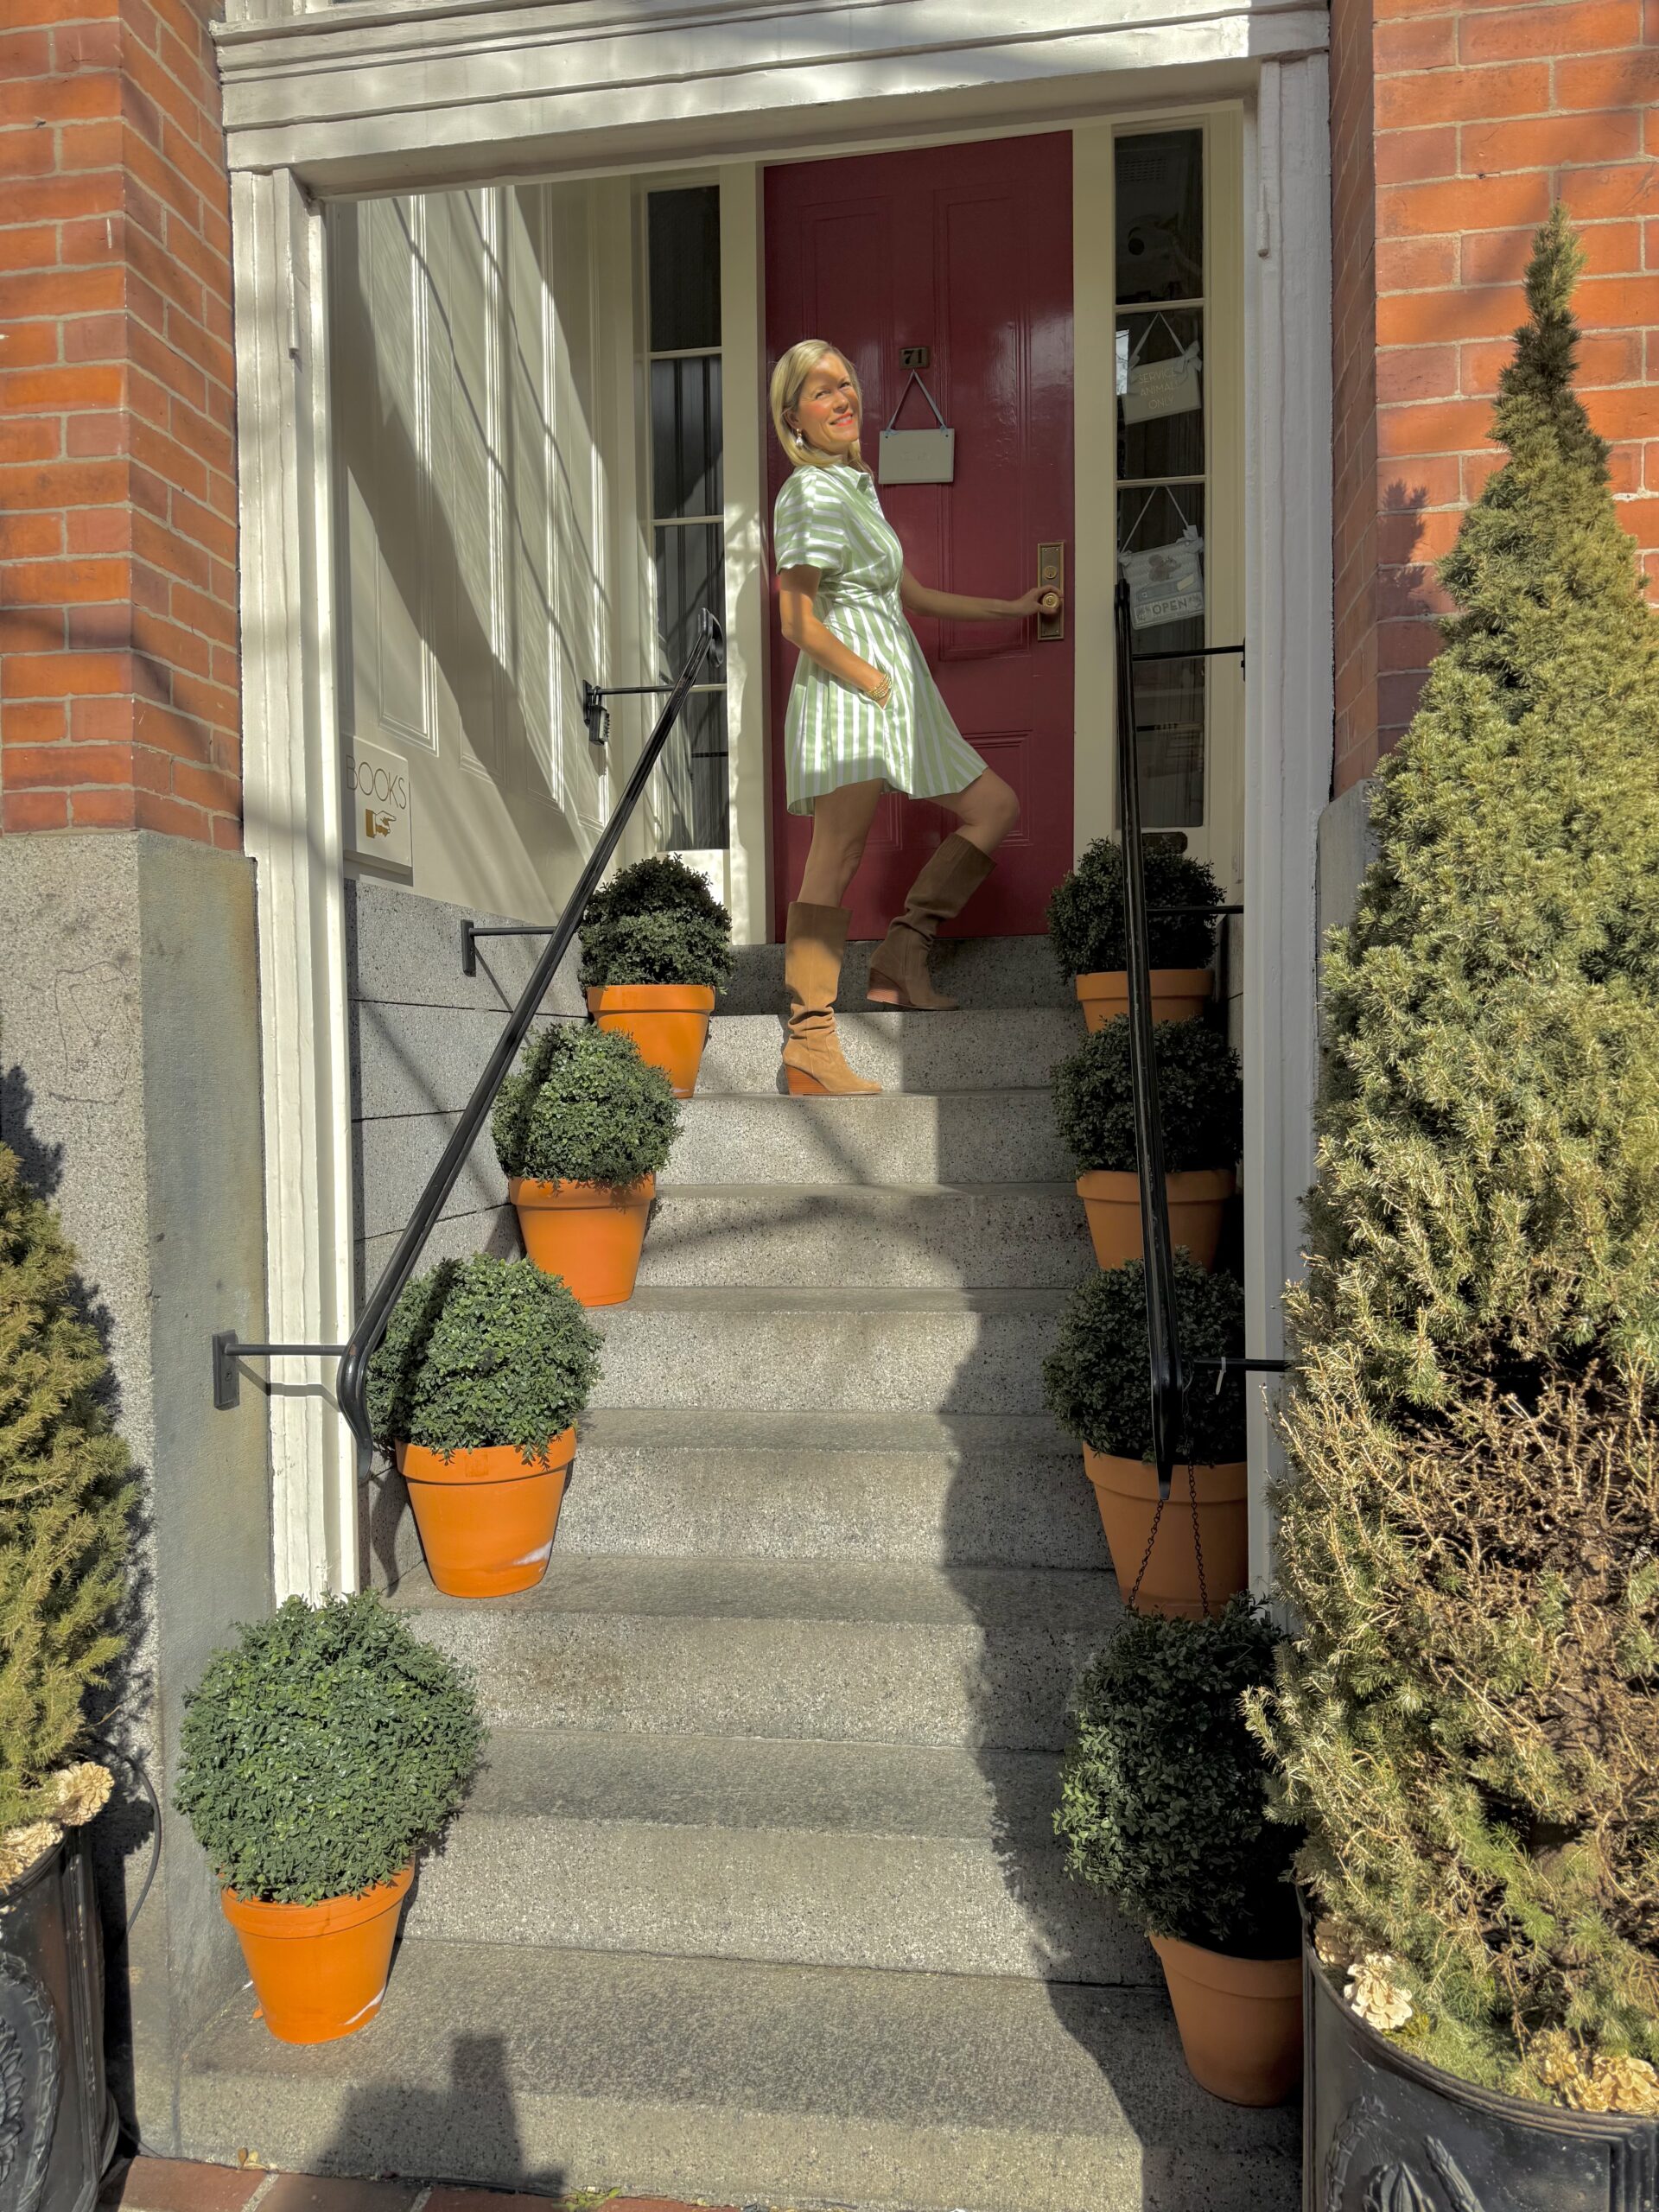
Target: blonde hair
<point x="789" y="382"/>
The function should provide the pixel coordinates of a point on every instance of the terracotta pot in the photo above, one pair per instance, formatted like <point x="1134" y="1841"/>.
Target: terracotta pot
<point x="1126" y="1490"/>
<point x="668" y="1022"/>
<point x="487" y="1519"/>
<point x="319" y="1971"/>
<point x="1239" y="2020"/>
<point x="1198" y="1201"/>
<point x="587" y="1232"/>
<point x="1178" y="995"/>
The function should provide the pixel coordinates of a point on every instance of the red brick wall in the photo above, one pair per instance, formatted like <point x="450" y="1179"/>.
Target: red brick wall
<point x="1482" y="115"/>
<point x="118" y="700"/>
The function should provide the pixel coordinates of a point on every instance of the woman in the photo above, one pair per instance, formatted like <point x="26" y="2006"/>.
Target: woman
<point x="865" y="716"/>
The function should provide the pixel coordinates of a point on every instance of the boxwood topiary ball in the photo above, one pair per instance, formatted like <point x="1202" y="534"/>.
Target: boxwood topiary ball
<point x="582" y="1107"/>
<point x="1095" y="1380"/>
<point x="1163" y="1792"/>
<point x="482" y="1353"/>
<point x="324" y="1750"/>
<point x="1200" y="1097"/>
<point x="1085" y="914"/>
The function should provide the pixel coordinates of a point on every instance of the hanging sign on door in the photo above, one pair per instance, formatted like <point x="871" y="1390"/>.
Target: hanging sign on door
<point x="917" y="456"/>
<point x="1151" y="389"/>
<point x="1165" y="582"/>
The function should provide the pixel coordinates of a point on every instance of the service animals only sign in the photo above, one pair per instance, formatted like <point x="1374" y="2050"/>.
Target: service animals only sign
<point x="378" y="807"/>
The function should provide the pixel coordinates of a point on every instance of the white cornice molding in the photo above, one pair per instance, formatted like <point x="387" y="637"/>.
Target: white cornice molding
<point x="360" y="96"/>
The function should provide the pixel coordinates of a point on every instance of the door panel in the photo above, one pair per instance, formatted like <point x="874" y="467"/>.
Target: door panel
<point x="966" y="250"/>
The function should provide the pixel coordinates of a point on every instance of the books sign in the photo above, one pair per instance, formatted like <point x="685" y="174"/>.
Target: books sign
<point x="378" y="810"/>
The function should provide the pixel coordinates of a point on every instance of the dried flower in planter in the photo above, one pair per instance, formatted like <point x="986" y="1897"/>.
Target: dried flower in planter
<point x="1602" y="2083"/>
<point x="1374" y="1993"/>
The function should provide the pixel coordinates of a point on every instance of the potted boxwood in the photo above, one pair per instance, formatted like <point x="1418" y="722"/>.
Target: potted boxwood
<point x="1164" y="1806"/>
<point x="65" y="1498"/>
<point x="656" y="947"/>
<point x="1095" y="1382"/>
<point x="1466" y="1720"/>
<point x="581" y="1126"/>
<point x="475" y="1389"/>
<point x="1086" y="927"/>
<point x="319" y="1756"/>
<point x="1201" y="1109"/>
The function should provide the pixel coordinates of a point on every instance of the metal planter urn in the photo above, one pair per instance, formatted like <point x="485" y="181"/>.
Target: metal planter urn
<point x="57" y="2122"/>
<point x="1383" y="2132"/>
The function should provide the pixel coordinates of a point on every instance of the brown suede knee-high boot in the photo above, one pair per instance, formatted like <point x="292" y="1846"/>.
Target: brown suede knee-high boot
<point x="814" y="940"/>
<point x="899" y="973"/>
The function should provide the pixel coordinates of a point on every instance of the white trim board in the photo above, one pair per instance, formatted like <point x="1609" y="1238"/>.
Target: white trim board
<point x="292" y="831"/>
<point x="1289" y="693"/>
<point x="359" y="99"/>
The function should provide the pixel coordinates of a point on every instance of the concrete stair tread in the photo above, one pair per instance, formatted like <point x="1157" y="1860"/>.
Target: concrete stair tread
<point x="746" y="1429"/>
<point x="961" y="1136"/>
<point x="757" y="1782"/>
<point x="830" y="1852"/>
<point x="855" y="1193"/>
<point x="897" y="1595"/>
<point x="736" y="2080"/>
<point x="738" y="1300"/>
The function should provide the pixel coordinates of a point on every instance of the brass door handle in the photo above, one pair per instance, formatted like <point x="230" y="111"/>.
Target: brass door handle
<point x="1051" y="576"/>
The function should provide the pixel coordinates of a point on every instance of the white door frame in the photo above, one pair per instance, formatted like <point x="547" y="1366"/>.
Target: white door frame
<point x="285" y="74"/>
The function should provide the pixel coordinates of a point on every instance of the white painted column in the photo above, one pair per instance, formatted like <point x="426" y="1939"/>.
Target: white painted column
<point x="745" y="431"/>
<point x="291" y="796"/>
<point x="1289" y="692"/>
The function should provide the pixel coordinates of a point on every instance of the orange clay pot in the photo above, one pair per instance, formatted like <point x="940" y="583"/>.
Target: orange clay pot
<point x="1239" y="2020"/>
<point x="668" y="1022"/>
<point x="1198" y="1200"/>
<point x="1126" y="1490"/>
<point x="588" y="1233"/>
<point x="1178" y="995"/>
<point x="319" y="1971"/>
<point x="486" y="1518"/>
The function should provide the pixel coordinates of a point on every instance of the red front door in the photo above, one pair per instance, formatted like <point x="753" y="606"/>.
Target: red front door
<point x="965" y="249"/>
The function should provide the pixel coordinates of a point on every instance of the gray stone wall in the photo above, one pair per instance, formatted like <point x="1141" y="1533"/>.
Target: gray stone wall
<point x="130" y="1089"/>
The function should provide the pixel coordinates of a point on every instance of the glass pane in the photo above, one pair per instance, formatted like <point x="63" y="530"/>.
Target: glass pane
<point x="684" y="254"/>
<point x="1161" y="215"/>
<point x="685" y="472"/>
<point x="1161" y="543"/>
<point x="1161" y="394"/>
<point x="689" y="575"/>
<point x="693" y="777"/>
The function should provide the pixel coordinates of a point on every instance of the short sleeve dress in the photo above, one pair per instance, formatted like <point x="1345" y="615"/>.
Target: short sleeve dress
<point x="830" y="518"/>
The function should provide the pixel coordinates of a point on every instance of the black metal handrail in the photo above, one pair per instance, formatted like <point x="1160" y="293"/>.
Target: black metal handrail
<point x="1170" y="1376"/>
<point x="354" y="1355"/>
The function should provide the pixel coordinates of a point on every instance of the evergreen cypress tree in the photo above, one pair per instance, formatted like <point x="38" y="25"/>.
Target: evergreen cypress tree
<point x="1468" y="1721"/>
<point x="64" y="1500"/>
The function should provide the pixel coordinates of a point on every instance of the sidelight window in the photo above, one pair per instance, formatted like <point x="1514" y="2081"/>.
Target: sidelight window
<point x="1162" y="454"/>
<point x="688" y="494"/>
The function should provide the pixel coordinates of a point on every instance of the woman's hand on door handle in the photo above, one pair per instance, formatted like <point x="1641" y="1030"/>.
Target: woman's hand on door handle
<point x="1041" y="599"/>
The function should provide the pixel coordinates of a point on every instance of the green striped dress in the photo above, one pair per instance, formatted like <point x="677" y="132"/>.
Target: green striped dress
<point x="831" y="520"/>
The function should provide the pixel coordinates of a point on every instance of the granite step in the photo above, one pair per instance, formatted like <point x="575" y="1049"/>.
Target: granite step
<point x="919" y="1235"/>
<point x="953" y="1137"/>
<point x="897" y="1857"/>
<point x="737" y="2082"/>
<point x="807" y="1348"/>
<point x="819" y="1650"/>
